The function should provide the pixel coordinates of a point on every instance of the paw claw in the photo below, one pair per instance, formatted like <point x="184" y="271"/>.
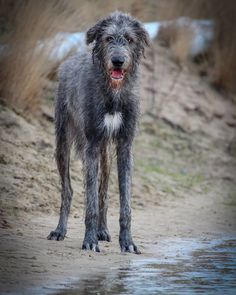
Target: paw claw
<point x="137" y="251"/>
<point x="126" y="243"/>
<point x="123" y="249"/>
<point x="131" y="249"/>
<point x="103" y="235"/>
<point x="93" y="247"/>
<point x="90" y="242"/>
<point x="97" y="248"/>
<point x="56" y="236"/>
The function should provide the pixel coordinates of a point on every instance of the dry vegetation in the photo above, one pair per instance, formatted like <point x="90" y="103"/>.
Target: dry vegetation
<point x="222" y="65"/>
<point x="225" y="46"/>
<point x="24" y="23"/>
<point x="23" y="68"/>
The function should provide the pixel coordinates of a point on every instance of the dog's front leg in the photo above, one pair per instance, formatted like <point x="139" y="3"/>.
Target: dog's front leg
<point x="91" y="219"/>
<point x="124" y="174"/>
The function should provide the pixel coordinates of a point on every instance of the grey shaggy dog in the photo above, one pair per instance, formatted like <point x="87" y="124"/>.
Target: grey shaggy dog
<point x="96" y="105"/>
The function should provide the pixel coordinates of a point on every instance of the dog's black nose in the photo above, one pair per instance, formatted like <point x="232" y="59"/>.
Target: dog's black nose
<point x="117" y="61"/>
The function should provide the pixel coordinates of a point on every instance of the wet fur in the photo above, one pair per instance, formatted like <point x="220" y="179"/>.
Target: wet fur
<point x="86" y="96"/>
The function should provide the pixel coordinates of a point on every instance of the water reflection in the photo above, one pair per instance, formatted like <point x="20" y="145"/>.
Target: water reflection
<point x="209" y="269"/>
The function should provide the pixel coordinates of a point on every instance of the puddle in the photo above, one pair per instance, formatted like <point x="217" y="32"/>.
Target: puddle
<point x="177" y="267"/>
<point x="185" y="267"/>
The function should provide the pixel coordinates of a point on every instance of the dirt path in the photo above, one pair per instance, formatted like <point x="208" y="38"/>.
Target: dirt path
<point x="184" y="184"/>
<point x="29" y="261"/>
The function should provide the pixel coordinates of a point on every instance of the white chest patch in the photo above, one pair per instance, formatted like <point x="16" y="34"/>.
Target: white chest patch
<point x="112" y="122"/>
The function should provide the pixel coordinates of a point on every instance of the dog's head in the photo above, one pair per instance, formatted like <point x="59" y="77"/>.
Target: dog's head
<point x="119" y="42"/>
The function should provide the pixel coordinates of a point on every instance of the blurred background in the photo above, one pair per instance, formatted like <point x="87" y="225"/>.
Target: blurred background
<point x="25" y="25"/>
<point x="185" y="149"/>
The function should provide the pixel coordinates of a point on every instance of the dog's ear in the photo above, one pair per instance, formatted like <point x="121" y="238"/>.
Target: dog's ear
<point x="142" y="35"/>
<point x="91" y="34"/>
<point x="94" y="32"/>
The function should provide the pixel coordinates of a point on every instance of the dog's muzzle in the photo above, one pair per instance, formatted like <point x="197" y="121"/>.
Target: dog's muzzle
<point x="117" y="72"/>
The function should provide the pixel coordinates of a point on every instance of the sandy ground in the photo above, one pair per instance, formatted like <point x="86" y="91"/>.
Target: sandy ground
<point x="184" y="182"/>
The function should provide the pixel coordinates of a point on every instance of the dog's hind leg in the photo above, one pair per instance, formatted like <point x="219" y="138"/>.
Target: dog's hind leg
<point x="63" y="146"/>
<point x="105" y="165"/>
<point x="63" y="159"/>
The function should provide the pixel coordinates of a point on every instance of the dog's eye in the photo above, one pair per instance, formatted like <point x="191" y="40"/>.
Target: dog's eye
<point x="129" y="39"/>
<point x="109" y="39"/>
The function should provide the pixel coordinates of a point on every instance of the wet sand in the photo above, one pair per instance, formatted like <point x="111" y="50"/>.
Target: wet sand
<point x="33" y="265"/>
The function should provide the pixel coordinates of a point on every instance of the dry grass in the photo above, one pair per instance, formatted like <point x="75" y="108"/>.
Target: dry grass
<point x="223" y="73"/>
<point x="23" y="68"/>
<point x="178" y="38"/>
<point x="222" y="66"/>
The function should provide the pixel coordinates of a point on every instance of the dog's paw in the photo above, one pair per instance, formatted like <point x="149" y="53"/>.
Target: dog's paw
<point x="127" y="244"/>
<point x="56" y="235"/>
<point x="90" y="246"/>
<point x="90" y="242"/>
<point x="103" y="235"/>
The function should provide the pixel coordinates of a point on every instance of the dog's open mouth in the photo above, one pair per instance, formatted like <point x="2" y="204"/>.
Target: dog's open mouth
<point x="117" y="74"/>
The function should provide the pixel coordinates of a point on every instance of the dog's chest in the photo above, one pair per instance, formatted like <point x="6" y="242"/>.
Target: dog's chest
<point x="112" y="123"/>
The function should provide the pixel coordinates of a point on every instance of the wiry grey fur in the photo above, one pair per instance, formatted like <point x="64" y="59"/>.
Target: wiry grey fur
<point x="89" y="95"/>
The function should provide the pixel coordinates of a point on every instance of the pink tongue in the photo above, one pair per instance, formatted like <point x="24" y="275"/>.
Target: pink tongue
<point x="116" y="74"/>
